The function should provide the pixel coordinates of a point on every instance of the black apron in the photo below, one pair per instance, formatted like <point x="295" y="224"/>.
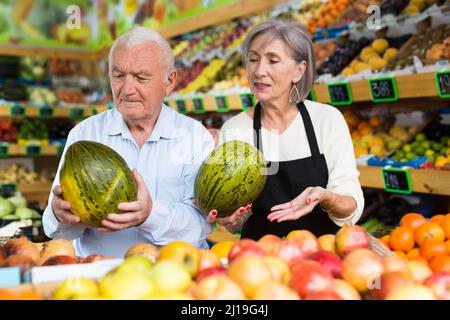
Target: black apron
<point x="292" y="178"/>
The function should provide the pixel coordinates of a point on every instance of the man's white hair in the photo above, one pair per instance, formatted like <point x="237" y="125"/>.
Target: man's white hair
<point x="141" y="35"/>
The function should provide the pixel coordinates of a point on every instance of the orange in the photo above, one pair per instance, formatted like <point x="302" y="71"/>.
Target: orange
<point x="6" y="294"/>
<point x="432" y="249"/>
<point x="445" y="225"/>
<point x="447" y="244"/>
<point x="420" y="259"/>
<point x="437" y="218"/>
<point x="29" y="295"/>
<point x="401" y="254"/>
<point x="414" y="253"/>
<point x="412" y="220"/>
<point x="429" y="231"/>
<point x="222" y="248"/>
<point x="402" y="239"/>
<point x="440" y="264"/>
<point x="385" y="240"/>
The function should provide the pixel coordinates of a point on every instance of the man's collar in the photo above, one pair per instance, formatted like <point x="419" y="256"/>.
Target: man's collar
<point x="164" y="128"/>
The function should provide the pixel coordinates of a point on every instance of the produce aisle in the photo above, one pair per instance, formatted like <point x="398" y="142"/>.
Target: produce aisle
<point x="389" y="75"/>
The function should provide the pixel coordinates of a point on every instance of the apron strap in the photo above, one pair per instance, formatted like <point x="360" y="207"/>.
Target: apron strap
<point x="310" y="134"/>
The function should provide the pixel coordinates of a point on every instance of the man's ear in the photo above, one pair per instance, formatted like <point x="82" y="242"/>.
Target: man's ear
<point x="301" y="69"/>
<point x="171" y="81"/>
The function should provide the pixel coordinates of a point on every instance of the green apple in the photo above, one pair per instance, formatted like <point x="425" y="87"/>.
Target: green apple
<point x="407" y="148"/>
<point x="421" y="137"/>
<point x="126" y="286"/>
<point x="73" y="288"/>
<point x="429" y="153"/>
<point x="135" y="264"/>
<point x="169" y="276"/>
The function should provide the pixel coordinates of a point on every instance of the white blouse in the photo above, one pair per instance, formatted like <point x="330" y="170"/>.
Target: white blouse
<point x="333" y="138"/>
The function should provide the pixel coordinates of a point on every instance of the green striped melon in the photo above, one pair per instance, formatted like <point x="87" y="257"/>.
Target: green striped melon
<point x="94" y="180"/>
<point x="231" y="177"/>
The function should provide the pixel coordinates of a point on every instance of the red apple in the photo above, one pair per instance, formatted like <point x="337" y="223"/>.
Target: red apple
<point x="183" y="253"/>
<point x="309" y="276"/>
<point x="22" y="247"/>
<point x="290" y="251"/>
<point x="411" y="292"/>
<point x="58" y="260"/>
<point x="273" y="290"/>
<point x="394" y="263"/>
<point x="322" y="295"/>
<point x="361" y="268"/>
<point x="94" y="257"/>
<point x="350" y="238"/>
<point x="306" y="240"/>
<point x="388" y="283"/>
<point x="439" y="283"/>
<point x="270" y="244"/>
<point x="211" y="271"/>
<point x="279" y="269"/>
<point x="244" y="248"/>
<point x="218" y="287"/>
<point x="345" y="290"/>
<point x="418" y="270"/>
<point x="249" y="272"/>
<point x="147" y="250"/>
<point x="329" y="261"/>
<point x="327" y="242"/>
<point x="207" y="259"/>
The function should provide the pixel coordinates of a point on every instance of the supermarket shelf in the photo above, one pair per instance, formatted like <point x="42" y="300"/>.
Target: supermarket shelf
<point x="35" y="192"/>
<point x="50" y="112"/>
<point x="50" y="52"/>
<point x="423" y="181"/>
<point x="408" y="87"/>
<point x="32" y="150"/>
<point x="216" y="16"/>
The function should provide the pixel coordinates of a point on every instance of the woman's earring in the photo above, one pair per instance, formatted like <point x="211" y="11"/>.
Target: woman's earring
<point x="297" y="100"/>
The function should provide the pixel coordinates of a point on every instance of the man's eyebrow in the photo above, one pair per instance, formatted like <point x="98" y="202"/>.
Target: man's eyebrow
<point x="143" y="73"/>
<point x="116" y="69"/>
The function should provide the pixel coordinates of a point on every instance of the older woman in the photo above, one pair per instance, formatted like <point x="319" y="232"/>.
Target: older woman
<point x="313" y="182"/>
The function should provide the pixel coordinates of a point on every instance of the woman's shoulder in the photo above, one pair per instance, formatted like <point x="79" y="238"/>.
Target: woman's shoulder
<point x="321" y="112"/>
<point x="240" y="121"/>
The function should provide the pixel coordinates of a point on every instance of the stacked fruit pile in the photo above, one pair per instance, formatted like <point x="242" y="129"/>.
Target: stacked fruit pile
<point x="426" y="241"/>
<point x="328" y="14"/>
<point x="373" y="136"/>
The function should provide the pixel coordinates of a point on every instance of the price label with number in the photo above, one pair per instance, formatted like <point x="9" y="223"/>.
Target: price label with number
<point x="8" y="189"/>
<point x="340" y="93"/>
<point x="443" y="83"/>
<point x="76" y="113"/>
<point x="199" y="106"/>
<point x="181" y="106"/>
<point x="33" y="151"/>
<point x="222" y="104"/>
<point x="4" y="149"/>
<point x="397" y="180"/>
<point x="17" y="111"/>
<point x="247" y="100"/>
<point x="383" y="89"/>
<point x="45" y="112"/>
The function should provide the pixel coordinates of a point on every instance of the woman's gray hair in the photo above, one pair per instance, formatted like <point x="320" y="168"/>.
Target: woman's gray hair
<point x="140" y="35"/>
<point x="294" y="35"/>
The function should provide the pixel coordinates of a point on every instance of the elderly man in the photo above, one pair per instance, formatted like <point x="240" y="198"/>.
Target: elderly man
<point x="164" y="148"/>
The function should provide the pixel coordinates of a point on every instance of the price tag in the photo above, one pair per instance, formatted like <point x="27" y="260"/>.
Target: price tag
<point x="397" y="180"/>
<point x="247" y="101"/>
<point x="76" y="113"/>
<point x="443" y="83"/>
<point x="46" y="112"/>
<point x="311" y="96"/>
<point x="199" y="106"/>
<point x="222" y="104"/>
<point x="340" y="93"/>
<point x="33" y="151"/>
<point x="4" y="149"/>
<point x="8" y="189"/>
<point x="17" y="111"/>
<point x="383" y="89"/>
<point x="181" y="106"/>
